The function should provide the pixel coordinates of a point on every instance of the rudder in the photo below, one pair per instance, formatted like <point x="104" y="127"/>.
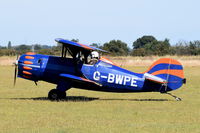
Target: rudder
<point x="170" y="70"/>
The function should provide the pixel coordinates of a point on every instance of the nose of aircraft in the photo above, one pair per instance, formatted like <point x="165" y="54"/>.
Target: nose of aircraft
<point x="28" y="67"/>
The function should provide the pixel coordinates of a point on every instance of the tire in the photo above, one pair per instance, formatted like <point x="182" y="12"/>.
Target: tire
<point x="55" y="94"/>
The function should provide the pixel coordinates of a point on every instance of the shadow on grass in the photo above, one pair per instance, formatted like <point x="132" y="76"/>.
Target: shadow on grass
<point x="137" y="99"/>
<point x="68" y="98"/>
<point x="87" y="99"/>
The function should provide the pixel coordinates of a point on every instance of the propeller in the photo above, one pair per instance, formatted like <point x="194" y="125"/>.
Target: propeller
<point x="16" y="69"/>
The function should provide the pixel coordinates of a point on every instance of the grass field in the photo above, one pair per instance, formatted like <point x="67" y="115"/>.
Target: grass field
<point x="25" y="108"/>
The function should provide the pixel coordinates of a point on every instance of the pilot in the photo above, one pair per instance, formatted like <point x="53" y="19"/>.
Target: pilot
<point x="94" y="57"/>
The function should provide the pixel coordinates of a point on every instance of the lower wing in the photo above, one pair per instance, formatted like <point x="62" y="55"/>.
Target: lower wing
<point x="79" y="79"/>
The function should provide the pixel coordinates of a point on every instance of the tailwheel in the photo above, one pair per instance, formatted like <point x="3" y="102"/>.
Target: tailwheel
<point x="177" y="98"/>
<point x="56" y="94"/>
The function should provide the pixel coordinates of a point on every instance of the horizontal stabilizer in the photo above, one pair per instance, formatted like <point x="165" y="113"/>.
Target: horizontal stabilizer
<point x="154" y="78"/>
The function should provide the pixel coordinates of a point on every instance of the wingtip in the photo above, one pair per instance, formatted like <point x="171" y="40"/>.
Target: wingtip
<point x="58" y="39"/>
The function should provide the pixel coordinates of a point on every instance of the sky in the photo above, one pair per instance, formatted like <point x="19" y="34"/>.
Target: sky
<point x="97" y="21"/>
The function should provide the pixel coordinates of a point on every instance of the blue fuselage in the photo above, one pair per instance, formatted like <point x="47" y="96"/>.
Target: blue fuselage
<point x="112" y="78"/>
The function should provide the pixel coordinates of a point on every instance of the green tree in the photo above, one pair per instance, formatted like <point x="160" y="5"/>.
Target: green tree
<point x="149" y="45"/>
<point x="75" y="40"/>
<point x="158" y="47"/>
<point x="97" y="45"/>
<point x="46" y="51"/>
<point x="37" y="47"/>
<point x="9" y="45"/>
<point x="116" y="47"/>
<point x="141" y="42"/>
<point x="22" y="48"/>
<point x="2" y="47"/>
<point x="181" y="48"/>
<point x="139" y="52"/>
<point x="194" y="47"/>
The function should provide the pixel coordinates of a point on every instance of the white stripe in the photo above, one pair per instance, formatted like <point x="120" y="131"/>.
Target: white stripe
<point x="104" y="77"/>
<point x="34" y="66"/>
<point x="153" y="77"/>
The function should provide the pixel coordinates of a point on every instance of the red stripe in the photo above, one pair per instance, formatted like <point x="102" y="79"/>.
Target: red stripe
<point x="28" y="62"/>
<point x="29" y="57"/>
<point x="28" y="77"/>
<point x="164" y="61"/>
<point x="86" y="47"/>
<point x="178" y="73"/>
<point x="28" y="73"/>
<point x="27" y="68"/>
<point x="30" y="53"/>
<point x="86" y="79"/>
<point x="107" y="61"/>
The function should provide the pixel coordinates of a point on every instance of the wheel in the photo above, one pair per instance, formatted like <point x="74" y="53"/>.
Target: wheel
<point x="55" y="94"/>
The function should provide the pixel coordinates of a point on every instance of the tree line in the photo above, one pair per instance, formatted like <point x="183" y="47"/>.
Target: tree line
<point x="144" y="46"/>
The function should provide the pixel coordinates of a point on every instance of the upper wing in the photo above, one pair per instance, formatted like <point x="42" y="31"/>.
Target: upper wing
<point x="77" y="45"/>
<point x="79" y="79"/>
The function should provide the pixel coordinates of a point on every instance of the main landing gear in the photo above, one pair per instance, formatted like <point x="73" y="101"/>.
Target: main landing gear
<point x="56" y="94"/>
<point x="60" y="92"/>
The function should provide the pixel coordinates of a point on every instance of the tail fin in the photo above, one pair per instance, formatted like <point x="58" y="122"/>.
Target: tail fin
<point x="169" y="70"/>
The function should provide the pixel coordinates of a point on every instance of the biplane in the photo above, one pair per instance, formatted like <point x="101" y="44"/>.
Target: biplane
<point x="77" y="71"/>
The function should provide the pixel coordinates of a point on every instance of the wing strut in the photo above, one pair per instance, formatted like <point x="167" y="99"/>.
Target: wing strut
<point x="63" y="51"/>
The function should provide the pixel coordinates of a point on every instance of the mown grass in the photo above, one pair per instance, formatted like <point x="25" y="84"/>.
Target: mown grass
<point x="25" y="109"/>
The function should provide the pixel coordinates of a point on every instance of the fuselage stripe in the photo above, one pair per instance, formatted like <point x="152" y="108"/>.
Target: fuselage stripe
<point x="178" y="73"/>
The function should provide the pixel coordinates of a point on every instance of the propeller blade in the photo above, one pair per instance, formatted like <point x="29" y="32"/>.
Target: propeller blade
<point x="15" y="76"/>
<point x="17" y="57"/>
<point x="16" y="68"/>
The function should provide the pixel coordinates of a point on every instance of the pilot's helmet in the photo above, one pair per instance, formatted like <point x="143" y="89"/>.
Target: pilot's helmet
<point x="95" y="54"/>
